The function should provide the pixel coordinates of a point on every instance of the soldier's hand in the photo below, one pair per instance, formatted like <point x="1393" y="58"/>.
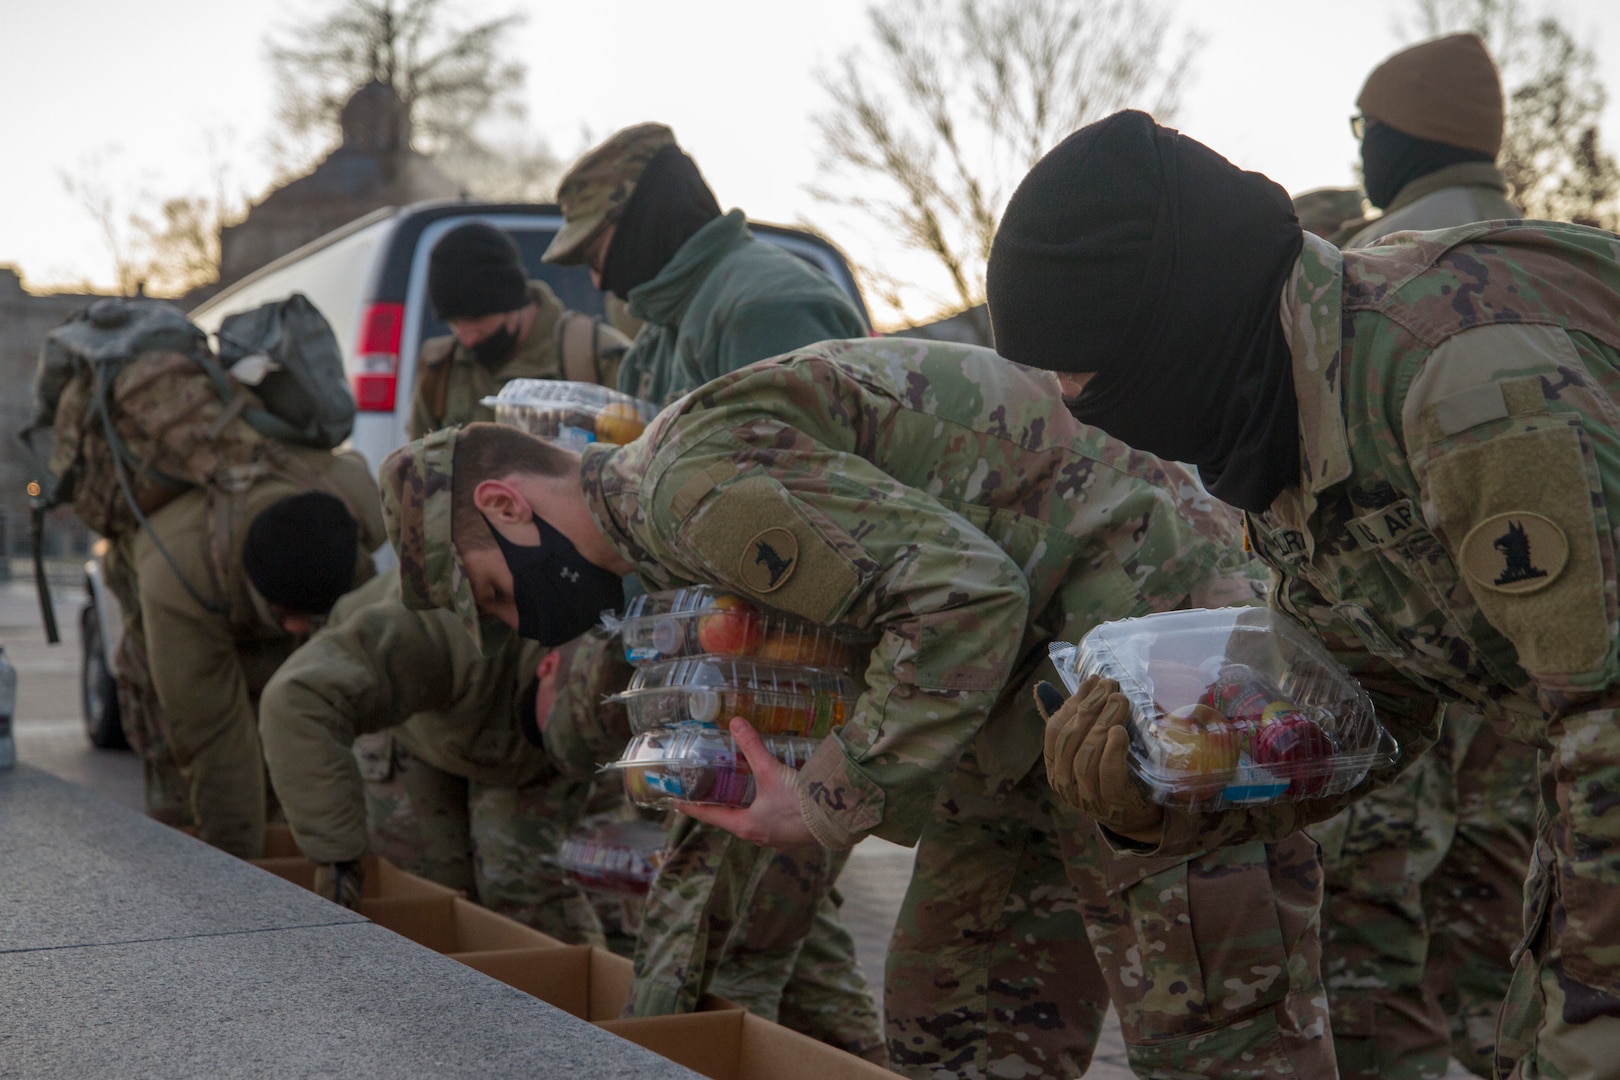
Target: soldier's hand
<point x="1087" y="760"/>
<point x="773" y="818"/>
<point x="340" y="882"/>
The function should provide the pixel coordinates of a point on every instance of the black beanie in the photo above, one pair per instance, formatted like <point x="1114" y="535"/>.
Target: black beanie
<point x="300" y="552"/>
<point x="475" y="270"/>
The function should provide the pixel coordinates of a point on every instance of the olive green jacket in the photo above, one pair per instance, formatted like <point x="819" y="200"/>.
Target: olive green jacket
<point x="724" y="301"/>
<point x="451" y="383"/>
<point x="210" y="654"/>
<point x="380" y="666"/>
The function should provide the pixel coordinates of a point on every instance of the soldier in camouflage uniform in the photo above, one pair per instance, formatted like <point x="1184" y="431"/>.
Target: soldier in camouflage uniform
<point x="1448" y="525"/>
<point x="943" y="499"/>
<point x="502" y="328"/>
<point x="1433" y="865"/>
<point x="458" y="793"/>
<point x="714" y="299"/>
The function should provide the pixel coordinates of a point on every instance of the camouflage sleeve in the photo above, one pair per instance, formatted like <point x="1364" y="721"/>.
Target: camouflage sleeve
<point x="583" y="730"/>
<point x="949" y="604"/>
<point x="374" y="670"/>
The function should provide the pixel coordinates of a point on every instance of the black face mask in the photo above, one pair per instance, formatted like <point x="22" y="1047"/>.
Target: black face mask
<point x="559" y="593"/>
<point x="494" y="348"/>
<point x="1392" y="159"/>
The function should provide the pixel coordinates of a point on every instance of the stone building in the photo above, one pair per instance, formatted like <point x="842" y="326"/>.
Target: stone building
<point x="375" y="166"/>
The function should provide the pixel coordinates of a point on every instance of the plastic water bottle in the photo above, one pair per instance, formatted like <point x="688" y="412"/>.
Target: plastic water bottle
<point x="8" y="705"/>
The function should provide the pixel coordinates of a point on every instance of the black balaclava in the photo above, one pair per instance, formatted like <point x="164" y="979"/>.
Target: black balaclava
<point x="669" y="204"/>
<point x="1391" y="159"/>
<point x="1141" y="255"/>
<point x="300" y="552"/>
<point x="559" y="593"/>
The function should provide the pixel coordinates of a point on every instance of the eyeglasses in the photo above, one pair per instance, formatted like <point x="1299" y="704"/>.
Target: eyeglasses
<point x="1358" y="126"/>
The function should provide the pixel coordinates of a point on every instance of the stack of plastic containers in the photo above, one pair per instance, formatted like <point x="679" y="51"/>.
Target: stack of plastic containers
<point x="704" y="656"/>
<point x="571" y="414"/>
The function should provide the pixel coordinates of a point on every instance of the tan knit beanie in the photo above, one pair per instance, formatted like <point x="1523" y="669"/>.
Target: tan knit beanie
<point x="1446" y="90"/>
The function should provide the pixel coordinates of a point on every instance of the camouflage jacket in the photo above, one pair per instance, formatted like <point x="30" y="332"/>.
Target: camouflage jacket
<point x="724" y="301"/>
<point x="451" y="383"/>
<point x="1452" y="533"/>
<point x="209" y="666"/>
<point x="380" y="666"/>
<point x="934" y="494"/>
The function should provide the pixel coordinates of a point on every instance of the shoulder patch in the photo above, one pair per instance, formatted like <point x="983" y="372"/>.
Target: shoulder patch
<point x="1515" y="552"/>
<point x="753" y="536"/>
<point x="768" y="560"/>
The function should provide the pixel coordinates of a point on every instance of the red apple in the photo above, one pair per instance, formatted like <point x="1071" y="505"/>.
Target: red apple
<point x="1294" y="740"/>
<point x="731" y="627"/>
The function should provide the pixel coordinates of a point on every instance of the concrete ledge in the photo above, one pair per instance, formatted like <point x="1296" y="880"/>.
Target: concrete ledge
<point x="128" y="949"/>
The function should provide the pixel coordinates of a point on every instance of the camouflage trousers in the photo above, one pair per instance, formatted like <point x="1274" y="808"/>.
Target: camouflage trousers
<point x="1020" y="925"/>
<point x="494" y="843"/>
<point x="1423" y="906"/>
<point x="138" y="708"/>
<point x="758" y="927"/>
<point x="1561" y="1020"/>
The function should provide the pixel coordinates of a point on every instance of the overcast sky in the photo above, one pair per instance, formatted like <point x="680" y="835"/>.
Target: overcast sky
<point x="144" y="87"/>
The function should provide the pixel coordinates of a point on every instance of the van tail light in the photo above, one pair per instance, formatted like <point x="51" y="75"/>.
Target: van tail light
<point x="376" y="375"/>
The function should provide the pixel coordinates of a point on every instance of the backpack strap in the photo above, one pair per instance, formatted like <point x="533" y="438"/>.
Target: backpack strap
<point x="577" y="344"/>
<point x="433" y="375"/>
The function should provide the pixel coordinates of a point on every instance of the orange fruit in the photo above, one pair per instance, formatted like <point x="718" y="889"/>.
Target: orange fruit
<point x="619" y="423"/>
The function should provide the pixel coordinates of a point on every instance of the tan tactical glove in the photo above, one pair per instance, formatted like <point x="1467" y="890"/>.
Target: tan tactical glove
<point x="340" y="882"/>
<point x="1086" y="749"/>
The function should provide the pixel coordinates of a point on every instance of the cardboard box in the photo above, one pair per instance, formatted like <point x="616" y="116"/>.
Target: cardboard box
<point x="382" y="878"/>
<point x="734" y="1045"/>
<point x="589" y="982"/>
<point x="452" y="924"/>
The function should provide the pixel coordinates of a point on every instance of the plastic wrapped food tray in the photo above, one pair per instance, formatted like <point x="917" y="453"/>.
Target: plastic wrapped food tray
<point x="571" y="414"/>
<point x="620" y="859"/>
<point x="697" y="764"/>
<point x="701" y="620"/>
<point x="777" y="699"/>
<point x="1233" y="707"/>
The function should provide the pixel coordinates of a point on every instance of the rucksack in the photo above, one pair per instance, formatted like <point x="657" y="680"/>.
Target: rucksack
<point x="303" y="388"/>
<point x="142" y="410"/>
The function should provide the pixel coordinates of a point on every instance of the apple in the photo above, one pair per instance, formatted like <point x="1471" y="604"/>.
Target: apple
<point x="1198" y="748"/>
<point x="731" y="627"/>
<point x="1294" y="740"/>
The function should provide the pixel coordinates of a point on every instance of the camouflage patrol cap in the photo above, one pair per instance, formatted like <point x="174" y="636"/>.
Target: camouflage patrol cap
<point x="600" y="183"/>
<point x="415" y="485"/>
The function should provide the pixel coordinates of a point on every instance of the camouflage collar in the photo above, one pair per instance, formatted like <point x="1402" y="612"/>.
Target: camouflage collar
<point x="609" y="490"/>
<point x="1311" y="316"/>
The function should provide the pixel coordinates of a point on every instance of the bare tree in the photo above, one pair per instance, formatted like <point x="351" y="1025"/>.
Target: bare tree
<point x="450" y="79"/>
<point x="930" y="137"/>
<point x="1552" y="154"/>
<point x="113" y="207"/>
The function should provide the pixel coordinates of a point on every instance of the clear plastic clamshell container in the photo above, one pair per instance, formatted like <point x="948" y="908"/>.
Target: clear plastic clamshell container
<point x="777" y="699"/>
<point x="620" y="858"/>
<point x="702" y="620"/>
<point x="697" y="764"/>
<point x="1233" y="707"/>
<point x="570" y="414"/>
